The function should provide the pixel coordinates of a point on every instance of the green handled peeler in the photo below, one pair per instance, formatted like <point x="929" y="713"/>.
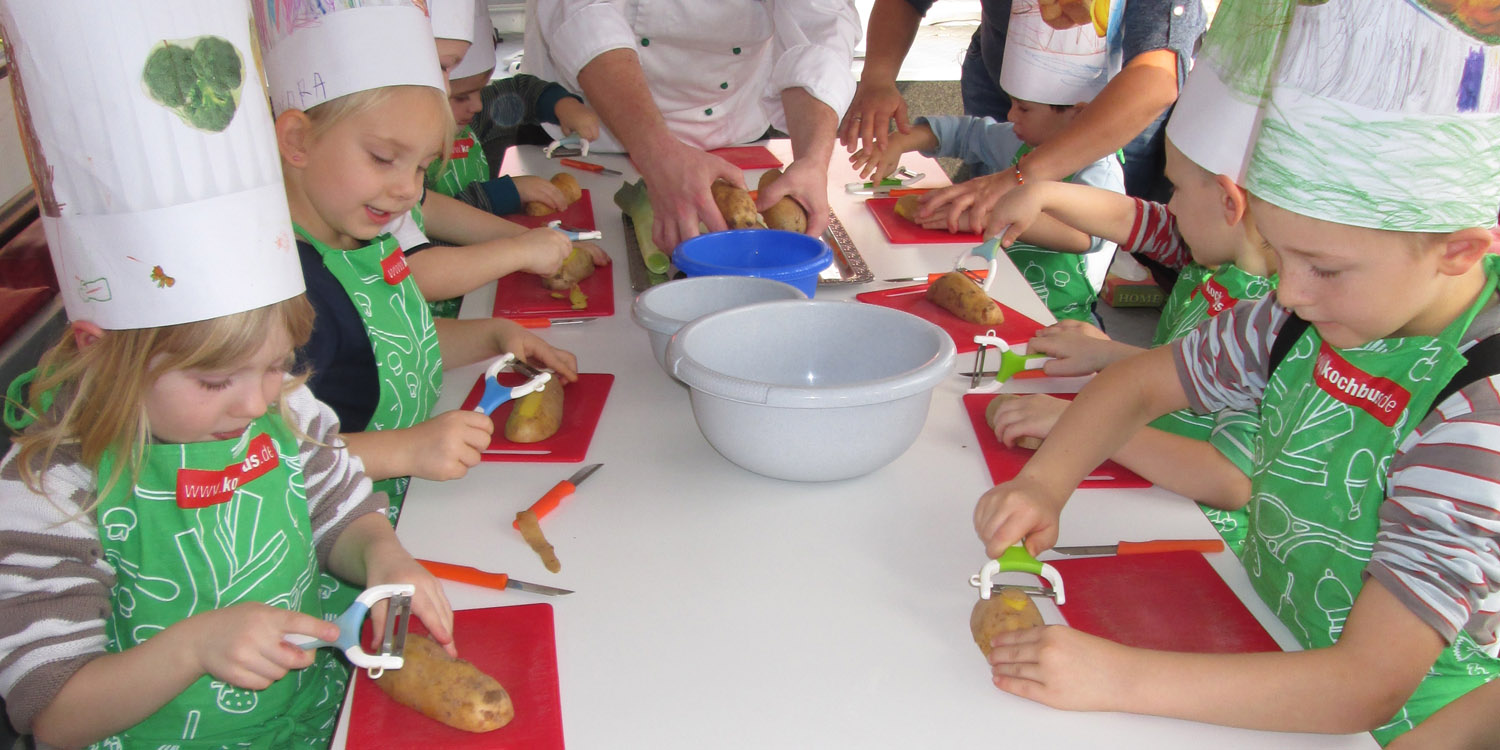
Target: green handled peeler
<point x="1017" y="560"/>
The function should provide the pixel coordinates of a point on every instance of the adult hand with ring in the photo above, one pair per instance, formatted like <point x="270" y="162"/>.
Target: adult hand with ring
<point x="867" y="121"/>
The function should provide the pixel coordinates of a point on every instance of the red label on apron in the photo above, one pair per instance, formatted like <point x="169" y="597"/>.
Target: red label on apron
<point x="200" y="488"/>
<point x="394" y="266"/>
<point x="1218" y="297"/>
<point x="1381" y="397"/>
<point x="461" y="148"/>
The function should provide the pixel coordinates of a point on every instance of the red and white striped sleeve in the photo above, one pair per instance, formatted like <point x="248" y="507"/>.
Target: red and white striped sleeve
<point x="1154" y="235"/>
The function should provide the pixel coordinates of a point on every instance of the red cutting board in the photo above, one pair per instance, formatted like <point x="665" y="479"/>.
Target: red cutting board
<point x="1005" y="463"/>
<point x="579" y="215"/>
<point x="583" y="402"/>
<point x="1015" y="329"/>
<point x="516" y="646"/>
<point x="521" y="295"/>
<point x="1170" y="601"/>
<point x="748" y="157"/>
<point x="902" y="232"/>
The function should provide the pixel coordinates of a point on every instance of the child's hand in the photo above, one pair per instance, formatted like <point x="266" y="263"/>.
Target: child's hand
<point x="449" y="444"/>
<point x="576" y="117"/>
<point x="1019" y="509"/>
<point x="1061" y="667"/>
<point x="875" y="162"/>
<point x="536" y="352"/>
<point x="1028" y="416"/>
<point x="389" y="562"/>
<point x="595" y="252"/>
<point x="1013" y="214"/>
<point x="1077" y="349"/>
<point x="543" y="250"/>
<point x="534" y="189"/>
<point x="244" y="645"/>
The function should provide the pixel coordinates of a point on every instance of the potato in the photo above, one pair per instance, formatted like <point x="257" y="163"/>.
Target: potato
<point x="907" y="207"/>
<point x="450" y="690"/>
<point x="1029" y="443"/>
<point x="537" y="208"/>
<point x="537" y="415"/>
<point x="959" y="295"/>
<point x="568" y="185"/>
<point x="735" y="204"/>
<point x="1006" y="610"/>
<point x="578" y="266"/>
<point x="786" y="213"/>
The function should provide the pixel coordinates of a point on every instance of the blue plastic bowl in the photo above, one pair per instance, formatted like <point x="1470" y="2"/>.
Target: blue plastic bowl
<point x="796" y="259"/>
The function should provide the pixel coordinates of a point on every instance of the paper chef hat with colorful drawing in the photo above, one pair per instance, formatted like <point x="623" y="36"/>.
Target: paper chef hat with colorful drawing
<point x="481" y="54"/>
<point x="453" y="19"/>
<point x="1048" y="65"/>
<point x="154" y="158"/>
<point x="1385" y="114"/>
<point x="1219" y="109"/>
<point x="319" y="50"/>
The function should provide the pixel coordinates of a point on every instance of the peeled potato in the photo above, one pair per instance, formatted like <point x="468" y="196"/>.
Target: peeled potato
<point x="735" y="204"/>
<point x="450" y="690"/>
<point x="907" y="207"/>
<point x="1005" y="611"/>
<point x="537" y="416"/>
<point x="578" y="266"/>
<point x="959" y="295"/>
<point x="1029" y="443"/>
<point x="786" y="213"/>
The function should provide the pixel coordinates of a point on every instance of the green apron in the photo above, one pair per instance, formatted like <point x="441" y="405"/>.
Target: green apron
<point x="1060" y="279"/>
<point x="466" y="164"/>
<point x="1202" y="293"/>
<point x="207" y="526"/>
<point x="1331" y="421"/>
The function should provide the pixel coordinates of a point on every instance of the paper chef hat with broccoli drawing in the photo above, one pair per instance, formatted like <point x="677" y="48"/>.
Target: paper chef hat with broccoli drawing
<point x="1385" y="114"/>
<point x="155" y="163"/>
<point x="319" y="50"/>
<point x="1051" y="66"/>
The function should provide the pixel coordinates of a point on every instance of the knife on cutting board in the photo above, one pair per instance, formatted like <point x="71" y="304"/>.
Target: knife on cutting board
<point x="1137" y="548"/>
<point x="477" y="577"/>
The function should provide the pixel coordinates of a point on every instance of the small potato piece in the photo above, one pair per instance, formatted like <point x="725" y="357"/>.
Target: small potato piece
<point x="907" y="207"/>
<point x="537" y="415"/>
<point x="1006" y="610"/>
<point x="959" y="295"/>
<point x="568" y="185"/>
<point x="735" y="204"/>
<point x="1029" y="443"/>
<point x="578" y="266"/>
<point x="450" y="690"/>
<point x="786" y="214"/>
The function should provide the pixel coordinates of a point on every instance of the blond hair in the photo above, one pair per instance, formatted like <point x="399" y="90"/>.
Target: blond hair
<point x="101" y="388"/>
<point x="330" y="113"/>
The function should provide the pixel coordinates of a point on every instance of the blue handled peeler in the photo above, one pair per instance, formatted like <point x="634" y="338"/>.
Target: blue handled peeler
<point x="574" y="234"/>
<point x="393" y="640"/>
<point x="495" y="394"/>
<point x="1018" y="560"/>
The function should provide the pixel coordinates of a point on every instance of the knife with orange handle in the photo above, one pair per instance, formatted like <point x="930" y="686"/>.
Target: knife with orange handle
<point x="1138" y="548"/>
<point x="549" y="322"/>
<point x="477" y="577"/>
<point x="588" y="166"/>
<point x="548" y="502"/>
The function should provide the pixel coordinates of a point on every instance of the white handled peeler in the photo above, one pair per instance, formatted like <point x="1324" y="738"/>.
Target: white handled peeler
<point x="574" y="234"/>
<point x="495" y="394"/>
<point x="1018" y="560"/>
<point x="393" y="640"/>
<point x="1010" y="363"/>
<point x="568" y="145"/>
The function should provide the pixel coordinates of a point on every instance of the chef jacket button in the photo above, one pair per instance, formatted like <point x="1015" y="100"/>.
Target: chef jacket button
<point x="645" y="42"/>
<point x="724" y="85"/>
<point x="708" y="111"/>
<point x="736" y="50"/>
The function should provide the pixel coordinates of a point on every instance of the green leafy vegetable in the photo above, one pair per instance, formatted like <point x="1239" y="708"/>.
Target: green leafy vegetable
<point x="198" y="80"/>
<point x="633" y="199"/>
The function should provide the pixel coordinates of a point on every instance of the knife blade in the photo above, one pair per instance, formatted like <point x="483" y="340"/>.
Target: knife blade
<point x="477" y="577"/>
<point x="933" y="277"/>
<point x="548" y="502"/>
<point x="1137" y="548"/>
<point x="589" y="167"/>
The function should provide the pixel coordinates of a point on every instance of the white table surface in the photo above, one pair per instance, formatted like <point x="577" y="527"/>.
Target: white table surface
<point x="716" y="608"/>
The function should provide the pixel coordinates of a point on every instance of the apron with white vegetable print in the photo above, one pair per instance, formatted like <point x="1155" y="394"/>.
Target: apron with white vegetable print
<point x="1060" y="279"/>
<point x="1200" y="294"/>
<point x="1331" y="422"/>
<point x="207" y="526"/>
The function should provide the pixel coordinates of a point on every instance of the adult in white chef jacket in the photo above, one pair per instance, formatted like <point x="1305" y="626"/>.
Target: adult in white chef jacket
<point x="672" y="79"/>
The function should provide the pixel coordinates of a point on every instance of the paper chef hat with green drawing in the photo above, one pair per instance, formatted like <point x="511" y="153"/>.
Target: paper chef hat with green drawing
<point x="1385" y="114"/>
<point x="453" y="19"/>
<point x="155" y="163"/>
<point x="481" y="54"/>
<point x="319" y="50"/>
<point x="1048" y="65"/>
<point x="1219" y="108"/>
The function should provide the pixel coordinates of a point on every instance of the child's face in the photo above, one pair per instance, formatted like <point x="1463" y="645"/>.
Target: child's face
<point x="1200" y="216"/>
<point x="463" y="96"/>
<point x="195" y="406"/>
<point x="1355" y="285"/>
<point x="368" y="168"/>
<point x="1035" y="123"/>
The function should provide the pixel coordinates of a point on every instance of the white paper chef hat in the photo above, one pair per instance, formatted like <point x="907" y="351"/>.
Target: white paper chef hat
<point x="1222" y="101"/>
<point x="481" y="54"/>
<point x="1385" y="115"/>
<point x="1051" y="66"/>
<point x="319" y="50"/>
<point x="453" y="19"/>
<point x="154" y="158"/>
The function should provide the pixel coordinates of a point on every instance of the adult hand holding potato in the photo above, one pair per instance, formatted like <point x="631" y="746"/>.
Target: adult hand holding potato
<point x="806" y="182"/>
<point x="678" y="177"/>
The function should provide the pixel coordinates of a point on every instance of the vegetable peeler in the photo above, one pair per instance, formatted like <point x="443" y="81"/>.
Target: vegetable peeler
<point x="393" y="640"/>
<point x="1018" y="560"/>
<point x="559" y="147"/>
<point x="902" y="177"/>
<point x="988" y="250"/>
<point x="575" y="234"/>
<point x="1010" y="363"/>
<point x="496" y="394"/>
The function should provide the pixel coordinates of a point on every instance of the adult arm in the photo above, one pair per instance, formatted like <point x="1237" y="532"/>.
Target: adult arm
<point x="892" y="28"/>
